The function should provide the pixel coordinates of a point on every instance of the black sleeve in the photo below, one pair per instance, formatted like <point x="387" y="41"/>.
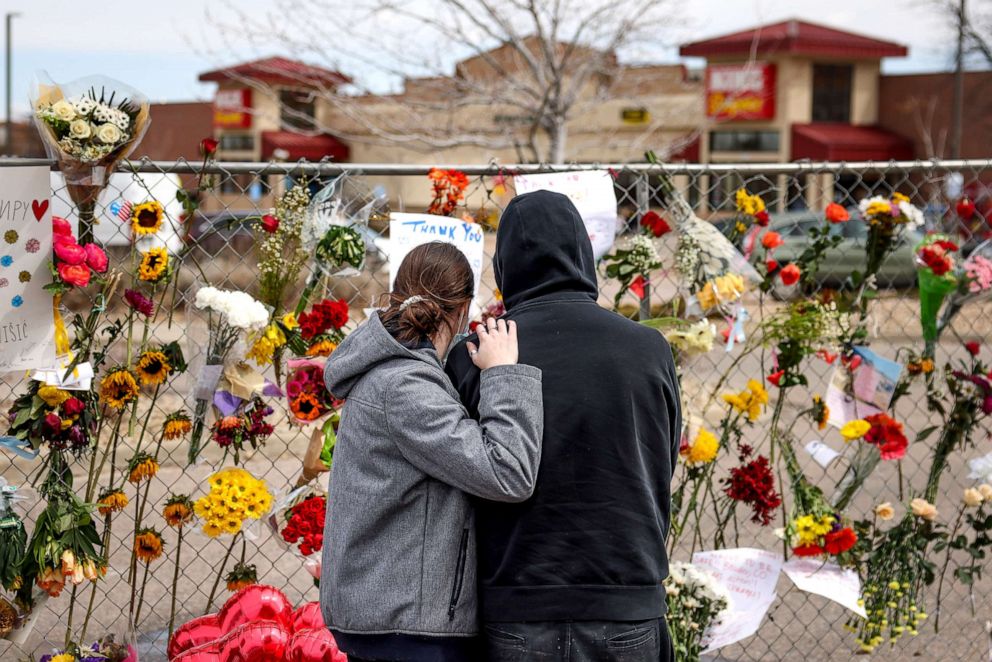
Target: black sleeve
<point x="674" y="397"/>
<point x="464" y="375"/>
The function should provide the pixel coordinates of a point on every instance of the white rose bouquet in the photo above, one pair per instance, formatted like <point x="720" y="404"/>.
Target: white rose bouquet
<point x="695" y="602"/>
<point x="230" y="314"/>
<point x="89" y="125"/>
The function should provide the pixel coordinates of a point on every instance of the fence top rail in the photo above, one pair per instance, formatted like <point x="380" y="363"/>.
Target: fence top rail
<point x="183" y="166"/>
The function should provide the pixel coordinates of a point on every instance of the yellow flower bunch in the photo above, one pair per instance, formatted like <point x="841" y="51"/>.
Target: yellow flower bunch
<point x="265" y="345"/>
<point x="749" y="204"/>
<point x="722" y="289"/>
<point x="52" y="396"/>
<point x="750" y="401"/>
<point x="703" y="449"/>
<point x="235" y="495"/>
<point x="810" y="528"/>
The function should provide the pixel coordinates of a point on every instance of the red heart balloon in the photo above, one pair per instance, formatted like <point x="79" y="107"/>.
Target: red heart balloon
<point x="314" y="646"/>
<point x="308" y="617"/>
<point x="208" y="652"/>
<point x="194" y="633"/>
<point x="255" y="603"/>
<point x="260" y="641"/>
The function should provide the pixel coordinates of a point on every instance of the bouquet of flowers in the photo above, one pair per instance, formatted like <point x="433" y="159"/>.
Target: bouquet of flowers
<point x="886" y="219"/>
<point x="235" y="496"/>
<point x="935" y="271"/>
<point x="246" y="427"/>
<point x="230" y="314"/>
<point x="44" y="414"/>
<point x="632" y="265"/>
<point x="449" y="190"/>
<point x="695" y="602"/>
<point x="305" y="524"/>
<point x="322" y="327"/>
<point x="281" y="250"/>
<point x="974" y="283"/>
<point x="105" y="650"/>
<point x="308" y="398"/>
<point x="330" y="229"/>
<point x="89" y="132"/>
<point x="13" y="541"/>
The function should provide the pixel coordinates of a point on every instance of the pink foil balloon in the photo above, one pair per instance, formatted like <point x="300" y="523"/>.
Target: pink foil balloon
<point x="255" y="603"/>
<point x="308" y="617"/>
<point x="261" y="641"/>
<point x="208" y="652"/>
<point x="314" y="646"/>
<point x="194" y="633"/>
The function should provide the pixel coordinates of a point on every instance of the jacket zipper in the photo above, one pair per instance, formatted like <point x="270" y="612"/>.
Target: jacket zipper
<point x="456" y="589"/>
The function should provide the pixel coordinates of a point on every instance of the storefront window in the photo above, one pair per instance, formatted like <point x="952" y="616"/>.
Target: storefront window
<point x="237" y="142"/>
<point x="744" y="141"/>
<point x="297" y="109"/>
<point x="832" y="92"/>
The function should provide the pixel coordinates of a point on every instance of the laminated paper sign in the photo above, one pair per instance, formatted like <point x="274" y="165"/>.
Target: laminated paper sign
<point x="27" y="331"/>
<point x="865" y="391"/>
<point x="749" y="576"/>
<point x="592" y="193"/>
<point x="407" y="231"/>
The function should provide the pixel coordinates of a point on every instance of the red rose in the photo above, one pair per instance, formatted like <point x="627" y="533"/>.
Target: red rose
<point x="208" y="147"/>
<point x="836" y="213"/>
<point x="771" y="265"/>
<point x="973" y="347"/>
<point x="96" y="259"/>
<point x="70" y="252"/>
<point x="270" y="223"/>
<point x="762" y="218"/>
<point x="73" y="407"/>
<point x="771" y="240"/>
<point x="807" y="550"/>
<point x="776" y="377"/>
<point x="74" y="274"/>
<point x="965" y="208"/>
<point x="637" y="287"/>
<point x="52" y="425"/>
<point x="61" y="227"/>
<point x="790" y="274"/>
<point x="838" y="542"/>
<point x="655" y="223"/>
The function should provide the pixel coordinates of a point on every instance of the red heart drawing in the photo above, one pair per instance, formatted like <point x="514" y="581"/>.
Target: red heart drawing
<point x="39" y="207"/>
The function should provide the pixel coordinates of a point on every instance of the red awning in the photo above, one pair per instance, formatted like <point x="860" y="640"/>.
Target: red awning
<point x="794" y="37"/>
<point x="845" y="142"/>
<point x="299" y="146"/>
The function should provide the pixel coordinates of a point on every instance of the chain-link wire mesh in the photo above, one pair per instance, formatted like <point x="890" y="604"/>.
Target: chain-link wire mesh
<point x="799" y="625"/>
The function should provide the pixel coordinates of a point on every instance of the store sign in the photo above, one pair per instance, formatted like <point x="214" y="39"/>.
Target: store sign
<point x="740" y="91"/>
<point x="232" y="109"/>
<point x="635" y="116"/>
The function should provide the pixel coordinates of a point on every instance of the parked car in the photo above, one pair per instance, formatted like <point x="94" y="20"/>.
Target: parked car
<point x="847" y="257"/>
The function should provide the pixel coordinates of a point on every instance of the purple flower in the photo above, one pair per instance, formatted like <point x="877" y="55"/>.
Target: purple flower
<point x="139" y="302"/>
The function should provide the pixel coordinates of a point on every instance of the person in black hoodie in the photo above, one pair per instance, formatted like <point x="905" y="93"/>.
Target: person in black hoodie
<point x="576" y="570"/>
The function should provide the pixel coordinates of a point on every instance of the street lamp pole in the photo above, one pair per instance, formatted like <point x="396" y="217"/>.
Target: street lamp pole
<point x="9" y="120"/>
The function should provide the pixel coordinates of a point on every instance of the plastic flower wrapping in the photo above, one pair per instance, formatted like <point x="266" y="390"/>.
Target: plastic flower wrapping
<point x="332" y="230"/>
<point x="88" y="125"/>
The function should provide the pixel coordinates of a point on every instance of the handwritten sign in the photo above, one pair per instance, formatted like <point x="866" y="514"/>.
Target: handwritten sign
<point x="407" y="231"/>
<point x="821" y="453"/>
<point x="749" y="577"/>
<point x="27" y="331"/>
<point x="592" y="193"/>
<point x="827" y="579"/>
<point x="866" y="390"/>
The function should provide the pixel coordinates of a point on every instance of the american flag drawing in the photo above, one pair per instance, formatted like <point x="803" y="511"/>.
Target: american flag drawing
<point x="124" y="213"/>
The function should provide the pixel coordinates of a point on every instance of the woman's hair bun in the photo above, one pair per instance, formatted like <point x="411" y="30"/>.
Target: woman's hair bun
<point x="421" y="318"/>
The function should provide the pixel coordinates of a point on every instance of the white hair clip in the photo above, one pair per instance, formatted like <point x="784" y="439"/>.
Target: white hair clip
<point x="410" y="301"/>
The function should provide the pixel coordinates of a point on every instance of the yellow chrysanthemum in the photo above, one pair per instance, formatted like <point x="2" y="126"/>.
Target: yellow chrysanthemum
<point x="153" y="368"/>
<point x="52" y="396"/>
<point x="118" y="388"/>
<point x="750" y="401"/>
<point x="154" y="265"/>
<point x="809" y="528"/>
<point x="749" y="204"/>
<point x="146" y="218"/>
<point x="112" y="502"/>
<point x="177" y="425"/>
<point x="703" y="448"/>
<point x="148" y="545"/>
<point x="322" y="347"/>
<point x="855" y="429"/>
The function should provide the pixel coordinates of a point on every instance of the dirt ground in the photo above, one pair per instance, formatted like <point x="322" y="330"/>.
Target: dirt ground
<point x="798" y="627"/>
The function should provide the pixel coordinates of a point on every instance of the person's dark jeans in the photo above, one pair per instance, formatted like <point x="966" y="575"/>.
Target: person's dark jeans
<point x="579" y="641"/>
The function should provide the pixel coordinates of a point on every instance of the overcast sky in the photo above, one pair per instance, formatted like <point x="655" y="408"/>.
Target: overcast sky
<point x="161" y="47"/>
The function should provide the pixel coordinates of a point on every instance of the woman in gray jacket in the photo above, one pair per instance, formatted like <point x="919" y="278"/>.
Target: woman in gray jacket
<point x="398" y="579"/>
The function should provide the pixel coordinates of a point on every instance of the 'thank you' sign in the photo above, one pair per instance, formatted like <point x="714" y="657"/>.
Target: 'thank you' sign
<point x="407" y="231"/>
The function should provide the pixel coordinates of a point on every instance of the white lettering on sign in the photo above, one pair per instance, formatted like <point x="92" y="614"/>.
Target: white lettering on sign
<point x="737" y="80"/>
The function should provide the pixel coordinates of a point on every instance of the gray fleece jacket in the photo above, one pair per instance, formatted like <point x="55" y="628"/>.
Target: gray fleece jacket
<point x="399" y="544"/>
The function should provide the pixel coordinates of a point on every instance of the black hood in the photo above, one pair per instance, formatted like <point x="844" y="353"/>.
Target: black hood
<point x="542" y="247"/>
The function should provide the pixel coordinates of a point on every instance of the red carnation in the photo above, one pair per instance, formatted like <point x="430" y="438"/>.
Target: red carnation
<point x="936" y="258"/>
<point x="838" y="542"/>
<point x="973" y="347"/>
<point x="807" y="550"/>
<point x="762" y="218"/>
<point x="655" y="223"/>
<point x="754" y="484"/>
<point x="637" y="287"/>
<point x="887" y="434"/>
<point x="790" y="274"/>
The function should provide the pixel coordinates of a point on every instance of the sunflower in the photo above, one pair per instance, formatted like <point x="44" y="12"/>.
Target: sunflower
<point x="153" y="368"/>
<point x="305" y="407"/>
<point x="148" y="545"/>
<point x="176" y="426"/>
<point x="242" y="575"/>
<point x="146" y="218"/>
<point x="118" y="388"/>
<point x="212" y="528"/>
<point x="154" y="265"/>
<point x="322" y="347"/>
<point x="111" y="501"/>
<point x="140" y="467"/>
<point x="231" y="525"/>
<point x="178" y="510"/>
<point x="821" y="412"/>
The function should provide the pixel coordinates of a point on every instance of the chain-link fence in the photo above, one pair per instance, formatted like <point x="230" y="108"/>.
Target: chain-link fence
<point x="798" y="626"/>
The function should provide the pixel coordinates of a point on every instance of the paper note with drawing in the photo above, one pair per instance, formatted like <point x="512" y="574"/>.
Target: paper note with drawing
<point x="27" y="331"/>
<point x="592" y="193"/>
<point x="863" y="391"/>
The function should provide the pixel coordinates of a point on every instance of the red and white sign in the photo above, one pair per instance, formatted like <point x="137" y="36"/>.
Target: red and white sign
<point x="232" y="109"/>
<point x="740" y="91"/>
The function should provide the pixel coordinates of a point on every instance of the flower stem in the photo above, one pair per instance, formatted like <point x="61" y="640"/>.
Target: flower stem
<point x="175" y="582"/>
<point x="220" y="573"/>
